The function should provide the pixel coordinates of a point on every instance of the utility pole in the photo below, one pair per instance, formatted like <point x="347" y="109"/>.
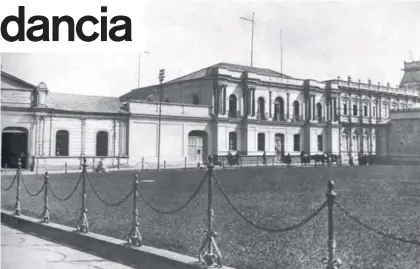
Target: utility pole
<point x="161" y="78"/>
<point x="138" y="72"/>
<point x="252" y="34"/>
<point x="281" y="51"/>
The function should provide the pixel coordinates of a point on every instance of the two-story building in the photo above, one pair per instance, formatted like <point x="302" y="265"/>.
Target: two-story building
<point x="218" y="109"/>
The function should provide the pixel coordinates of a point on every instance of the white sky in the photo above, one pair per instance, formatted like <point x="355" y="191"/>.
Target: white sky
<point x="321" y="40"/>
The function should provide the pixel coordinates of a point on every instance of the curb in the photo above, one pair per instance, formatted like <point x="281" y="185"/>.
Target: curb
<point x="109" y="248"/>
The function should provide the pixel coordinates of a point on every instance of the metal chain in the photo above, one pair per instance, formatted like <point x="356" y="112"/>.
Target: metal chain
<point x="150" y="165"/>
<point x="28" y="191"/>
<point x="375" y="230"/>
<point x="71" y="193"/>
<point x="105" y="202"/>
<point x="270" y="230"/>
<point x="179" y="208"/>
<point x="170" y="165"/>
<point x="56" y="169"/>
<point x="11" y="185"/>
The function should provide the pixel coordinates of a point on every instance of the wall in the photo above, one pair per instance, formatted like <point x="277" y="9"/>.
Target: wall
<point x="404" y="137"/>
<point x="174" y="140"/>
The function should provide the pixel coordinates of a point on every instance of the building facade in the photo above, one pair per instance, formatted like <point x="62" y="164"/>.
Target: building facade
<point x="218" y="109"/>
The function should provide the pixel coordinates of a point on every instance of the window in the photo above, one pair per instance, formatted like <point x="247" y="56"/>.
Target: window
<point x="279" y="109"/>
<point x="320" y="143"/>
<point x="102" y="144"/>
<point x="195" y="100"/>
<point x="261" y="108"/>
<point x="261" y="142"/>
<point x="374" y="111"/>
<point x="296" y="109"/>
<point x="233" y="141"/>
<point x="62" y="143"/>
<point x="232" y="106"/>
<point x="365" y="112"/>
<point x="355" y="110"/>
<point x="345" y="109"/>
<point x="296" y="142"/>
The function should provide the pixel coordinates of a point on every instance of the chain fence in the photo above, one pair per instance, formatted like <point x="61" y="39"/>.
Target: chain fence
<point x="267" y="229"/>
<point x="375" y="230"/>
<point x="209" y="252"/>
<point x="189" y="200"/>
<point x="121" y="201"/>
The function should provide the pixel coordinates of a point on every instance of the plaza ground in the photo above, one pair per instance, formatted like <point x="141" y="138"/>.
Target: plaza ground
<point x="385" y="197"/>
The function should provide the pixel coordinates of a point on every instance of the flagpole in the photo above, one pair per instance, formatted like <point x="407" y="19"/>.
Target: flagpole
<point x="252" y="35"/>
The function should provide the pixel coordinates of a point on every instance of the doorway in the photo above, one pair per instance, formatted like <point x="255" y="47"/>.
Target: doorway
<point x="279" y="145"/>
<point x="14" y="145"/>
<point x="197" y="149"/>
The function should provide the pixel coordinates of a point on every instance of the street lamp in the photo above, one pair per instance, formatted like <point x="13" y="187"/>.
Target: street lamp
<point x="161" y="78"/>
<point x="252" y="35"/>
<point x="138" y="75"/>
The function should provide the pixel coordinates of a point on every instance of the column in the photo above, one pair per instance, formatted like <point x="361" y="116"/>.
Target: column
<point x="309" y="108"/>
<point x="335" y="107"/>
<point x="248" y="102"/>
<point x="224" y="100"/>
<point x="313" y="107"/>
<point x="83" y="138"/>
<point x="253" y="102"/>
<point x="269" y="104"/>
<point x="380" y="109"/>
<point x="288" y="106"/>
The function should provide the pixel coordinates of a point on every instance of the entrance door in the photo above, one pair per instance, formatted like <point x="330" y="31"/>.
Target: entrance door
<point x="197" y="146"/>
<point x="279" y="145"/>
<point x="195" y="149"/>
<point x="14" y="146"/>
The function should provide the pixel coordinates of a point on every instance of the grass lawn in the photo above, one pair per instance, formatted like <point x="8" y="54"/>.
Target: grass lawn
<point x="385" y="197"/>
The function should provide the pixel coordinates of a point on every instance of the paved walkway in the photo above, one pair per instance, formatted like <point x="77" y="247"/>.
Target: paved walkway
<point x="20" y="250"/>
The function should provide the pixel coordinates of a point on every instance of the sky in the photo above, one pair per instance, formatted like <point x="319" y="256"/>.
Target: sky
<point x="321" y="40"/>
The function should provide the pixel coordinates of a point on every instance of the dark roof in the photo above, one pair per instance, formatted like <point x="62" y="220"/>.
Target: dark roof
<point x="410" y="77"/>
<point x="202" y="73"/>
<point x="84" y="103"/>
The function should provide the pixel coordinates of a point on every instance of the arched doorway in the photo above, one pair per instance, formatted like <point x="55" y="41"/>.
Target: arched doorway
<point x="197" y="146"/>
<point x="279" y="109"/>
<point x="279" y="145"/>
<point x="261" y="108"/>
<point x="14" y="145"/>
<point x="319" y="111"/>
<point x="232" y="106"/>
<point x="296" y="110"/>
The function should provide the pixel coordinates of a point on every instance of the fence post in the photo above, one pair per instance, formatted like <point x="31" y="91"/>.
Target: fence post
<point x="46" y="214"/>
<point x="332" y="262"/>
<point x="83" y="225"/>
<point x="135" y="237"/>
<point x="5" y="169"/>
<point x="93" y="163"/>
<point x="185" y="160"/>
<point x="208" y="256"/>
<point x="258" y="160"/>
<point x="17" y="205"/>
<point x="118" y="163"/>
<point x="164" y="165"/>
<point x="274" y="158"/>
<point x="65" y="167"/>
<point x="142" y="163"/>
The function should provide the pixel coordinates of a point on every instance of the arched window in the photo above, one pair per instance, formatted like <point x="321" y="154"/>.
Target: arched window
<point x="319" y="111"/>
<point x="62" y="143"/>
<point x="261" y="142"/>
<point x="296" y="110"/>
<point x="101" y="143"/>
<point x="195" y="100"/>
<point x="232" y="106"/>
<point x="279" y="109"/>
<point x="261" y="108"/>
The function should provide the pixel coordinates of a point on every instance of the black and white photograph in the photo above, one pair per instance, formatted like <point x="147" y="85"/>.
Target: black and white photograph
<point x="239" y="134"/>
